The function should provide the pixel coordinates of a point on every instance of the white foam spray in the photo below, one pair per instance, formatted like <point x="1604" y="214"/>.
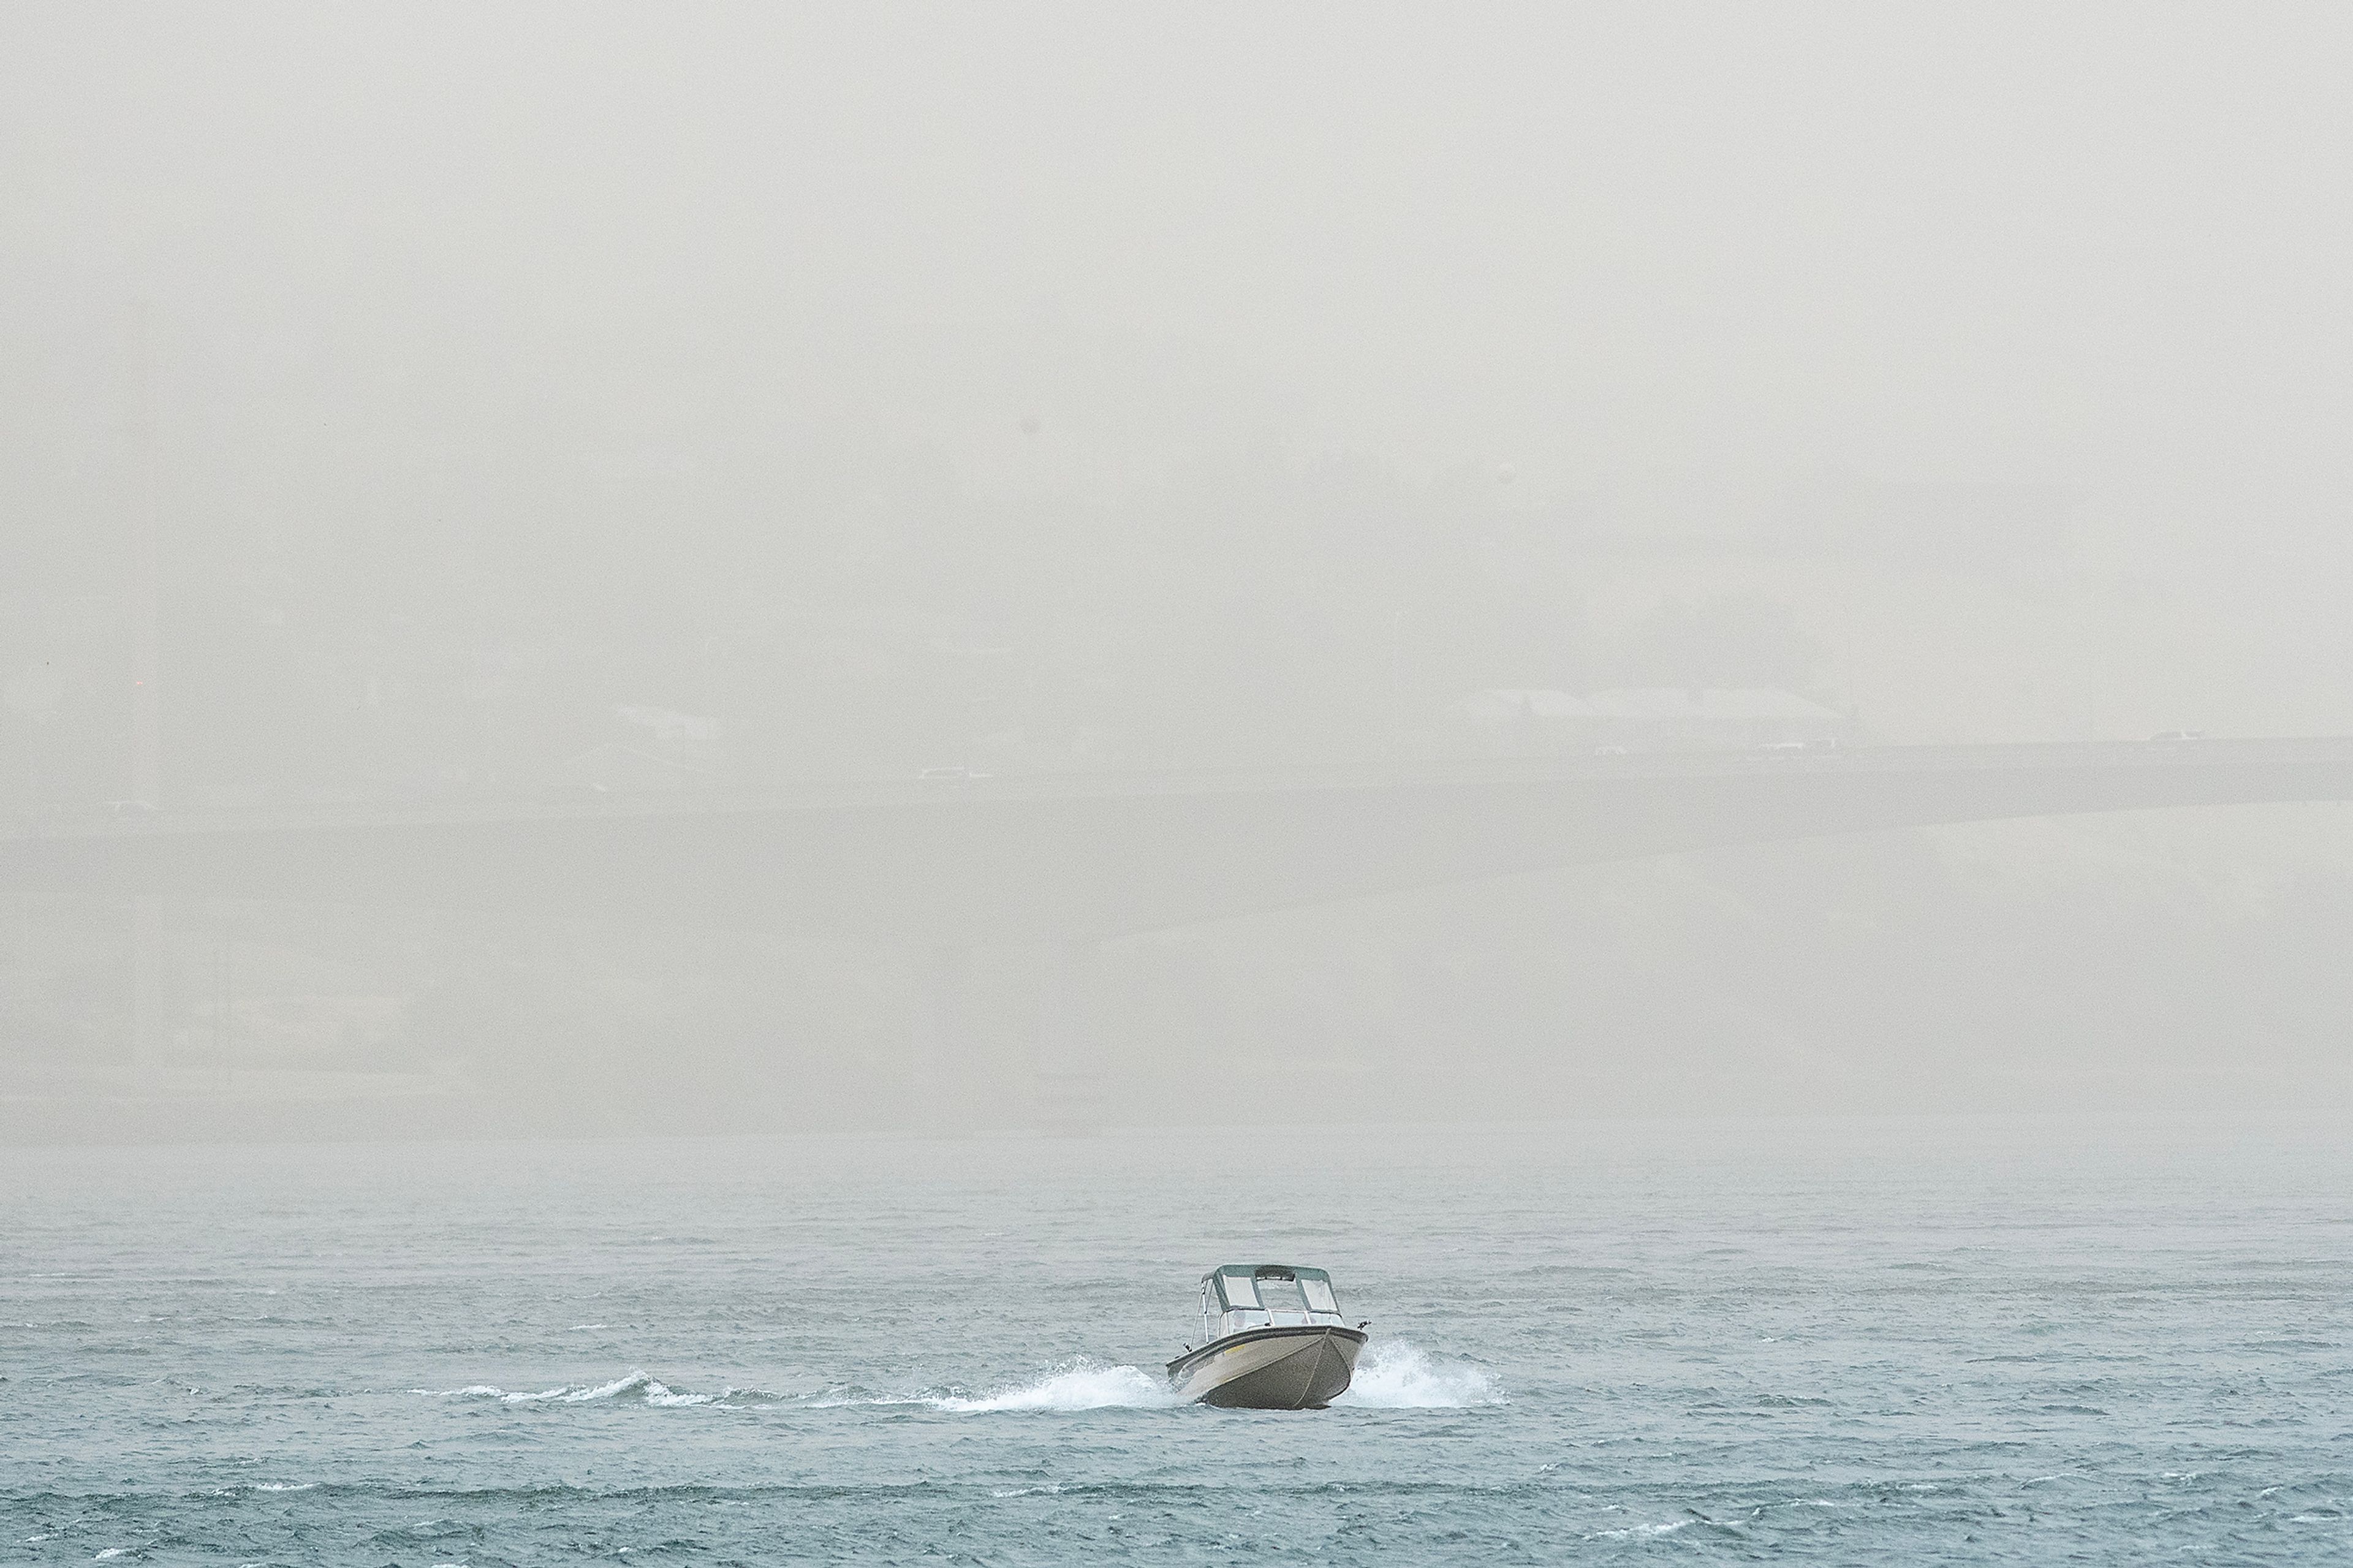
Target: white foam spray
<point x="1399" y="1375"/>
<point x="1394" y="1375"/>
<point x="1082" y="1384"/>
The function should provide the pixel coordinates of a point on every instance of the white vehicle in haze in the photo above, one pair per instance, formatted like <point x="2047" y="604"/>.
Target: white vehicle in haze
<point x="1277" y="1341"/>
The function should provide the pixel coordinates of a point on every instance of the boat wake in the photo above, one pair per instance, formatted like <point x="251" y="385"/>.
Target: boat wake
<point x="1394" y="1375"/>
<point x="1081" y="1384"/>
<point x="636" y="1384"/>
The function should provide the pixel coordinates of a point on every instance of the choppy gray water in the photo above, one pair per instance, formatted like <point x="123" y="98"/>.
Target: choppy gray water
<point x="1940" y="1342"/>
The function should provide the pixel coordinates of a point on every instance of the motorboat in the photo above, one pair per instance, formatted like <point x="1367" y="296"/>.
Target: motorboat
<point x="1274" y="1340"/>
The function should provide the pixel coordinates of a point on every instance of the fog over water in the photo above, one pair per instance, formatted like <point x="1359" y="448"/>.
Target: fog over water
<point x="569" y="401"/>
<point x="991" y="602"/>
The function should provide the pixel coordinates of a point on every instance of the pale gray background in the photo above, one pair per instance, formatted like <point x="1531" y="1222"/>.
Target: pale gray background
<point x="786" y="394"/>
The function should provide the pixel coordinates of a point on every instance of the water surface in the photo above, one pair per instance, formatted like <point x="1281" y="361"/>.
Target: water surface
<point x="1928" y="1341"/>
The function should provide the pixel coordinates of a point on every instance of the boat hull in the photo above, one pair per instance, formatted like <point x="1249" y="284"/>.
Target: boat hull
<point x="1270" y="1369"/>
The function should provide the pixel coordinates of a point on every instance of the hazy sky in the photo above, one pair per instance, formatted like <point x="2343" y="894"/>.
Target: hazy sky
<point x="803" y="366"/>
<point x="2100" y="246"/>
<point x="591" y="262"/>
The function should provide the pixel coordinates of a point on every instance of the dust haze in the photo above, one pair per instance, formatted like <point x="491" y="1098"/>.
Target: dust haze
<point x="547" y="410"/>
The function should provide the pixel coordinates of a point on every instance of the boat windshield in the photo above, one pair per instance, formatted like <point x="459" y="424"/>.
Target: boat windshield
<point x="1253" y="1296"/>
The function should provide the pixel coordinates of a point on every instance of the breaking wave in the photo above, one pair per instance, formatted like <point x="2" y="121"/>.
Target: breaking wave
<point x="1635" y="1531"/>
<point x="1398" y="1376"/>
<point x="649" y="1390"/>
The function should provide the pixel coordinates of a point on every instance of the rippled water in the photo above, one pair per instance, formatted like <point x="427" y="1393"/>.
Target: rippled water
<point x="1960" y="1342"/>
